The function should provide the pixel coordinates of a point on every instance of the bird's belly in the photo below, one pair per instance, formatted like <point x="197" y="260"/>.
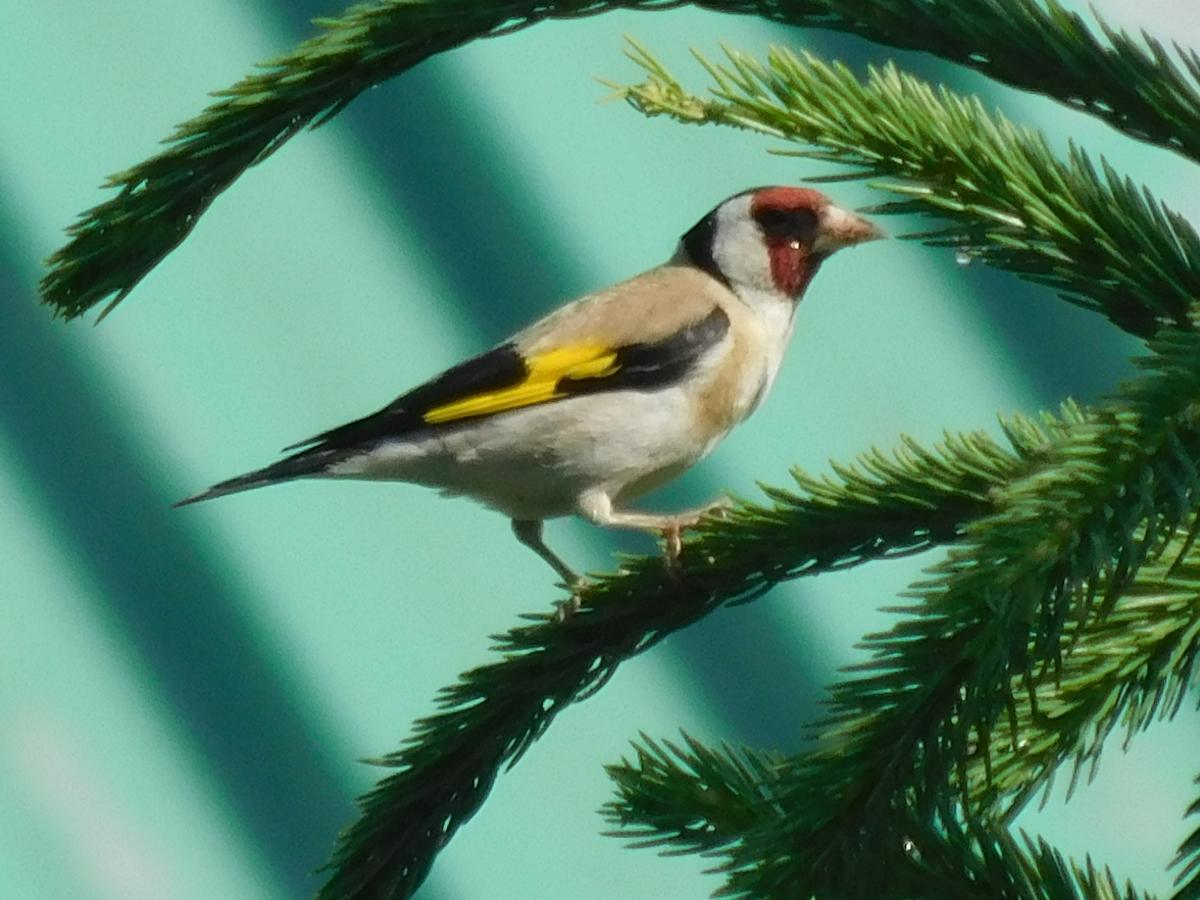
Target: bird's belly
<point x="534" y="463"/>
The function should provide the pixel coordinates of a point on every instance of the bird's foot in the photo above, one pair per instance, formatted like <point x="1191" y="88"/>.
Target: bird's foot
<point x="673" y="531"/>
<point x="718" y="509"/>
<point x="564" y="609"/>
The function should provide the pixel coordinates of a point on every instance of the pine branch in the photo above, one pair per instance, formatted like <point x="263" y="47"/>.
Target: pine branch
<point x="1051" y="875"/>
<point x="1097" y="240"/>
<point x="1134" y="85"/>
<point x="694" y="798"/>
<point x="1129" y="668"/>
<point x="1063" y="544"/>
<point x="116" y="244"/>
<point x="1125" y="670"/>
<point x="881" y="507"/>
<point x="1188" y="861"/>
<point x="974" y="860"/>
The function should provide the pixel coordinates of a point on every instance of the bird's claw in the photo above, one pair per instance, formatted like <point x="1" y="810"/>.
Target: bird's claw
<point x="673" y="546"/>
<point x="718" y="509"/>
<point x="673" y="533"/>
<point x="564" y="609"/>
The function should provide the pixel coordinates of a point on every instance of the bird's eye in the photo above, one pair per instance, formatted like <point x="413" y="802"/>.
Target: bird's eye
<point x="798" y="224"/>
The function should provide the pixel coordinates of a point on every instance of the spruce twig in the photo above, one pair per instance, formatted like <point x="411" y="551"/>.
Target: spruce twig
<point x="692" y="798"/>
<point x="1063" y="543"/>
<point x="1002" y="195"/>
<point x="1135" y="85"/>
<point x="1124" y="670"/>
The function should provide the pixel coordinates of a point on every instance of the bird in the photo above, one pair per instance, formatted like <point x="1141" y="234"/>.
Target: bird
<point x="609" y="396"/>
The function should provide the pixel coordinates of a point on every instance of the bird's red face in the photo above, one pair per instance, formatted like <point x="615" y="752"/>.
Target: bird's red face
<point x="772" y="240"/>
<point x="787" y="218"/>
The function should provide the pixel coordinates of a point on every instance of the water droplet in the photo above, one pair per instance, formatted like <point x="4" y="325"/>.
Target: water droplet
<point x="963" y="258"/>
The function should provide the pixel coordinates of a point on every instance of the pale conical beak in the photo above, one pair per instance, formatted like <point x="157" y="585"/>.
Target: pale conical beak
<point x="838" y="228"/>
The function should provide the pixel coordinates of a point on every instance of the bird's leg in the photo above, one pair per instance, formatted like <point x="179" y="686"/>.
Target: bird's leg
<point x="596" y="507"/>
<point x="529" y="533"/>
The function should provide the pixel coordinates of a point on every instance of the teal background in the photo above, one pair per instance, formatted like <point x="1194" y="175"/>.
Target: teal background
<point x="185" y="693"/>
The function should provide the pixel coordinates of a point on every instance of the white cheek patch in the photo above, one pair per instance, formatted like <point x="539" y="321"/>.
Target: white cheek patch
<point x="739" y="250"/>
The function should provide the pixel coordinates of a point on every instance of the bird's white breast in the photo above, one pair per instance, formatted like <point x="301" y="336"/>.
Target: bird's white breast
<point x="777" y="320"/>
<point x="534" y="463"/>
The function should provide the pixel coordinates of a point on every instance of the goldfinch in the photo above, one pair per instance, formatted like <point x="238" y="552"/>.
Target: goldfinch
<point x="611" y="395"/>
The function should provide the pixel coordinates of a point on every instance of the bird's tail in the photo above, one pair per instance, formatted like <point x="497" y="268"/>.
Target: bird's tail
<point x="307" y="462"/>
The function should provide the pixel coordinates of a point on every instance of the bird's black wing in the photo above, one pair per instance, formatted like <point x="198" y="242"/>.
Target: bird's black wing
<point x="502" y="379"/>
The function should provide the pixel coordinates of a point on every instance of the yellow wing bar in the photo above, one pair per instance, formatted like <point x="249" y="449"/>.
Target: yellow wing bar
<point x="543" y="373"/>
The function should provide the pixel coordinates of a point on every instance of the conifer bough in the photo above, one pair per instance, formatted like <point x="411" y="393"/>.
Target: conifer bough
<point x="1126" y="670"/>
<point x="1135" y="85"/>
<point x="692" y="798"/>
